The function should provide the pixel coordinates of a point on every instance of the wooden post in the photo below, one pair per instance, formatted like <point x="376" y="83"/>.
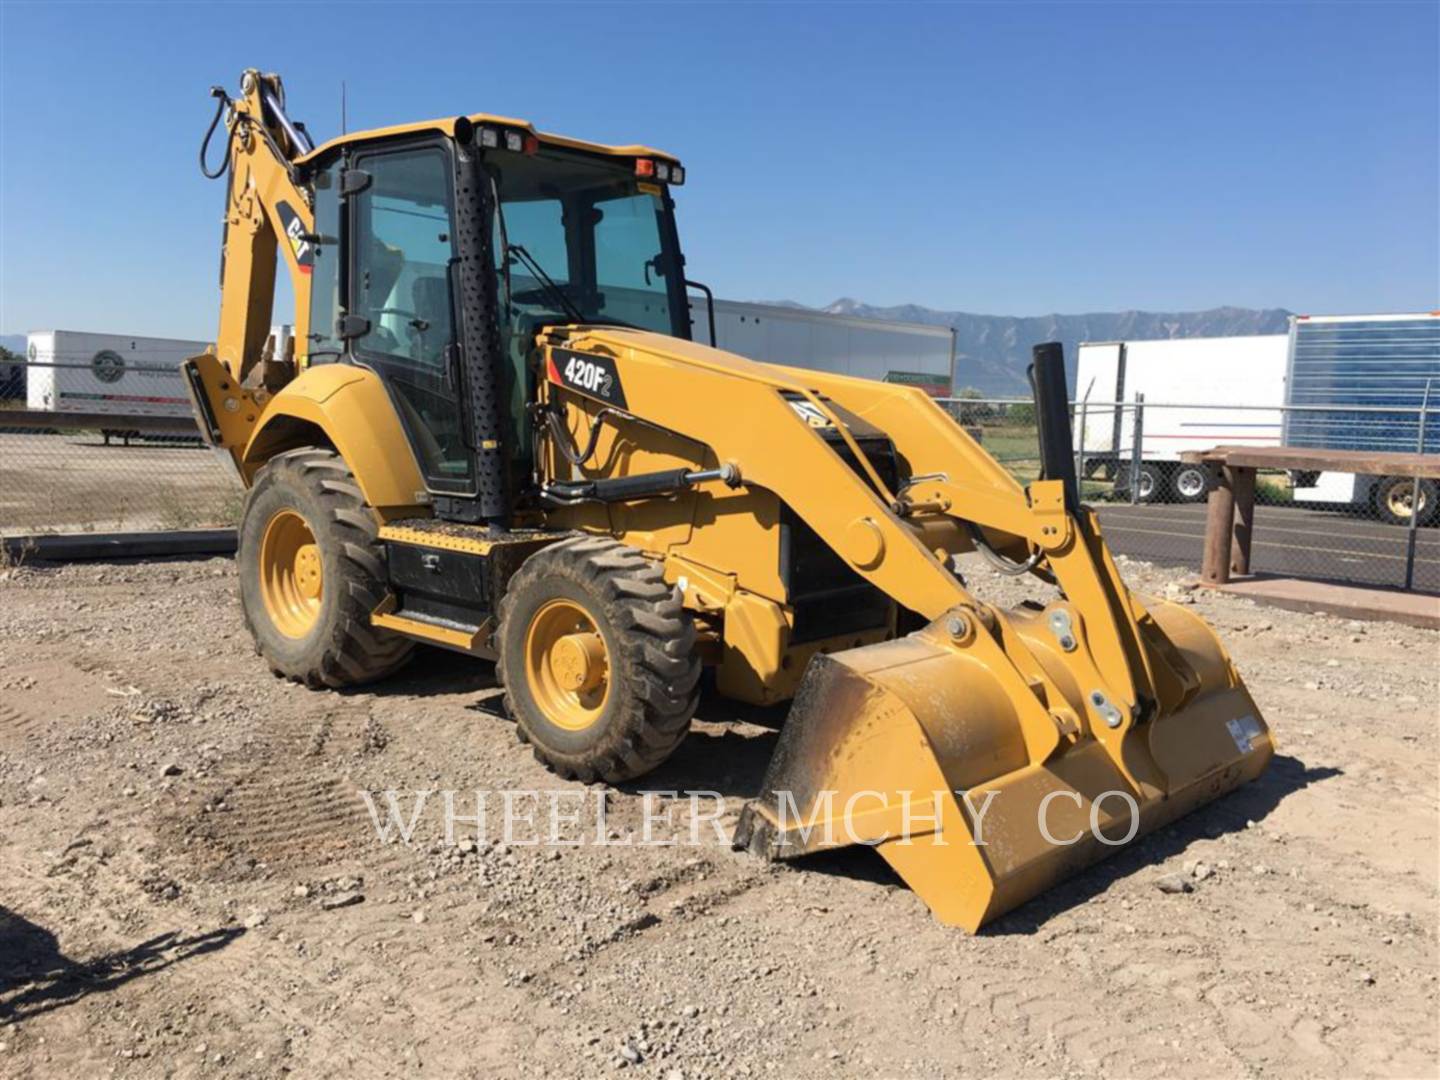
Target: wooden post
<point x="1219" y="528"/>
<point x="1242" y="486"/>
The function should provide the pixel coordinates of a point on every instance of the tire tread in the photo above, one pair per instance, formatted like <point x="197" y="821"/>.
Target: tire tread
<point x="662" y="668"/>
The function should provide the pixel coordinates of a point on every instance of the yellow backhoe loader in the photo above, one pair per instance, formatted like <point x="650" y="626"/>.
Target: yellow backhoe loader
<point x="493" y="433"/>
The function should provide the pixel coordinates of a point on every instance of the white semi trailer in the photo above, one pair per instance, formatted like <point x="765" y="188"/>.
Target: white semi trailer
<point x="1334" y="382"/>
<point x="1198" y="393"/>
<point x="112" y="374"/>
<point x="913" y="353"/>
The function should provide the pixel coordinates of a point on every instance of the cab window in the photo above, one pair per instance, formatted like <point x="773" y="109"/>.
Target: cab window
<point x="402" y="246"/>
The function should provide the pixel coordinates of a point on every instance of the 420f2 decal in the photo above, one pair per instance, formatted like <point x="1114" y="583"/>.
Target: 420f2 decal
<point x="588" y="374"/>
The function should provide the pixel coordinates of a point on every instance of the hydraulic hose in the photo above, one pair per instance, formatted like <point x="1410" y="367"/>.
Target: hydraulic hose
<point x="222" y="101"/>
<point x="562" y="441"/>
<point x="1008" y="567"/>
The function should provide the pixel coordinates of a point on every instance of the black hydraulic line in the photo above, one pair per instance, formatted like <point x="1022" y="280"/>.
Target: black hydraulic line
<point x="1008" y="567"/>
<point x="222" y="101"/>
<point x="562" y="440"/>
<point x="641" y="486"/>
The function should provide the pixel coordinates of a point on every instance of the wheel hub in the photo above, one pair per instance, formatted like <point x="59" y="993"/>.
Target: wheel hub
<point x="567" y="664"/>
<point x="292" y="576"/>
<point x="578" y="661"/>
<point x="307" y="571"/>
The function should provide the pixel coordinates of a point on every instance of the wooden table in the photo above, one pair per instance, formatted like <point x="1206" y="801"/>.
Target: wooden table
<point x="1230" y="521"/>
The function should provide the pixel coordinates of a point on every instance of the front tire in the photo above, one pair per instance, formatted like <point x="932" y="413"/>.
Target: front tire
<point x="311" y="572"/>
<point x="598" y="660"/>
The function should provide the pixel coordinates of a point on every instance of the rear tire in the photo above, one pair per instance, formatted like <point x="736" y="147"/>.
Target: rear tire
<point x="1394" y="496"/>
<point x="598" y="660"/>
<point x="309" y="610"/>
<point x="1151" y="481"/>
<point x="1190" y="483"/>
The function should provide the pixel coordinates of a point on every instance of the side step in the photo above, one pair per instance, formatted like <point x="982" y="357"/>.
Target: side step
<point x="446" y="580"/>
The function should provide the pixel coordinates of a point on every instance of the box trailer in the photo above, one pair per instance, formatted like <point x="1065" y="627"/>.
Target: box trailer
<point x="1198" y="393"/>
<point x="114" y="374"/>
<point x="1358" y="382"/>
<point x="912" y="353"/>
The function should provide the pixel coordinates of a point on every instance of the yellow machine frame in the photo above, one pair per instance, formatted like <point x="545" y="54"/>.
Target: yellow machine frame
<point x="1093" y="693"/>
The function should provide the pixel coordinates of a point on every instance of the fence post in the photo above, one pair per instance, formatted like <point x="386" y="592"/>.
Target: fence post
<point x="1414" y="522"/>
<point x="1137" y="435"/>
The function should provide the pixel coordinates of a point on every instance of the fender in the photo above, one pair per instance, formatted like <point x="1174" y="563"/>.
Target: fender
<point x="352" y="410"/>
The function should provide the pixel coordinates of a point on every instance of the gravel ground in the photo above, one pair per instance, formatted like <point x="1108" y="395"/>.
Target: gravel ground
<point x="191" y="883"/>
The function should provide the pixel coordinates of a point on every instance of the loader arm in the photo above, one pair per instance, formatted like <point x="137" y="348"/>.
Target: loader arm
<point x="1092" y="716"/>
<point x="698" y="391"/>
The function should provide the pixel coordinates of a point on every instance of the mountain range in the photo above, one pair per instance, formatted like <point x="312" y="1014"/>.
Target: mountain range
<point x="992" y="351"/>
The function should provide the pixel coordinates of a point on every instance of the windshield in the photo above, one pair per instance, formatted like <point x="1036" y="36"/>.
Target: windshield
<point x="582" y="240"/>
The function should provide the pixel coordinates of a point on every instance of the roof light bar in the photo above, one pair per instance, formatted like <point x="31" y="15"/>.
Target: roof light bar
<point x="664" y="171"/>
<point x="515" y="141"/>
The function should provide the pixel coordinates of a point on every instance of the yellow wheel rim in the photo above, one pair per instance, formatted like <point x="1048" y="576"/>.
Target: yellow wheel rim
<point x="291" y="574"/>
<point x="567" y="665"/>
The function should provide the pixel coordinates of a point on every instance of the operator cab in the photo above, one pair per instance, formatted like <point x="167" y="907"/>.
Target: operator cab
<point x="438" y="258"/>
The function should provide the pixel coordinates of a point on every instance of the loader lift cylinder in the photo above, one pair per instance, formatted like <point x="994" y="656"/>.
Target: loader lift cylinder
<point x="1052" y="417"/>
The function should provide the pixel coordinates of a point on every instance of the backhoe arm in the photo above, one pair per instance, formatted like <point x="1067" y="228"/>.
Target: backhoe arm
<point x="264" y="201"/>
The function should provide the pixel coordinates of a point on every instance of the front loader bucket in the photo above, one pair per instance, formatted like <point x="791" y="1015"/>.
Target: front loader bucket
<point x="919" y="749"/>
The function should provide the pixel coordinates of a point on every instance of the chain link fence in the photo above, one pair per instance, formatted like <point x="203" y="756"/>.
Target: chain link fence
<point x="1367" y="529"/>
<point x="86" y="473"/>
<point x="74" y="473"/>
<point x="97" y="437"/>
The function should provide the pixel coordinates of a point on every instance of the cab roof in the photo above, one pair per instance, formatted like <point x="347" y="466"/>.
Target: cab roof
<point x="447" y="127"/>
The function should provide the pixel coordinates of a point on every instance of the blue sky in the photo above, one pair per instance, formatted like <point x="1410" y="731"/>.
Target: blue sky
<point x="1003" y="159"/>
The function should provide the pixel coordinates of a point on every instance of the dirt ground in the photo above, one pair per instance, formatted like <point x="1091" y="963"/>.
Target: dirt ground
<point x="191" y="883"/>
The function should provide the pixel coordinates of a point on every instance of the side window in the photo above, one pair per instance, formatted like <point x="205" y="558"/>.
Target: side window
<point x="630" y="267"/>
<point x="403" y="250"/>
<point x="322" y="346"/>
<point x="538" y="226"/>
<point x="626" y="244"/>
<point x="401" y="230"/>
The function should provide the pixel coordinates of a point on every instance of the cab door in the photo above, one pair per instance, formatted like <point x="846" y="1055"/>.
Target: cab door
<point x="400" y="318"/>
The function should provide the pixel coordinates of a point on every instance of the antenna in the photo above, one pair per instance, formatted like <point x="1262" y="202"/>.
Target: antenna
<point x="342" y="107"/>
